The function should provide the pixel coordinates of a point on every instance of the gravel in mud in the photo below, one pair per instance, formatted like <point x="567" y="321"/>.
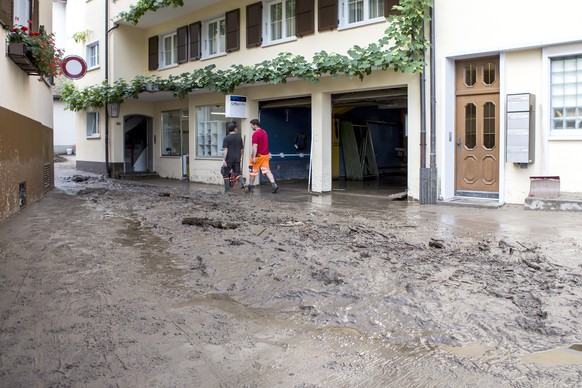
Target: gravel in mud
<point x="110" y="283"/>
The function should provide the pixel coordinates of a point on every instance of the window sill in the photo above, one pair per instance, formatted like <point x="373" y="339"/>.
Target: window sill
<point x="566" y="135"/>
<point x="204" y="58"/>
<point x="280" y="41"/>
<point x="94" y="137"/>
<point x="362" y="23"/>
<point x="93" y="68"/>
<point x="168" y="67"/>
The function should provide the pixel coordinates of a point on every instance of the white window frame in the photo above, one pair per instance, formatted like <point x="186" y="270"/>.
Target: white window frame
<point x="287" y="22"/>
<point x="344" y="13"/>
<point x="21" y="13"/>
<point x="210" y="131"/>
<point x="550" y="54"/>
<point x="173" y="146"/>
<point x="168" y="55"/>
<point x="93" y="60"/>
<point x="92" y="125"/>
<point x="217" y="37"/>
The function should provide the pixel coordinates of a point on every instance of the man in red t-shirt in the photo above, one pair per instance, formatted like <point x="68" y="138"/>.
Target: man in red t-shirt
<point x="260" y="156"/>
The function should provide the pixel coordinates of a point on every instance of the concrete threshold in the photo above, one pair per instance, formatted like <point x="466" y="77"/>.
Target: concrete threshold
<point x="564" y="202"/>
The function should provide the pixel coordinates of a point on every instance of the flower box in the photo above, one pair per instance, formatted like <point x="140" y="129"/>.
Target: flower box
<point x="17" y="53"/>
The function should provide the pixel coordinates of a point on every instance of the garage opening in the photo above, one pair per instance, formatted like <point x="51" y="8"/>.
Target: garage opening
<point x="369" y="140"/>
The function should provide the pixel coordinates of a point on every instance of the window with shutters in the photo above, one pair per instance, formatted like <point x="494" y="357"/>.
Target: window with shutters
<point x="214" y="38"/>
<point x="354" y="13"/>
<point x="169" y="50"/>
<point x="279" y="16"/>
<point x="20" y="13"/>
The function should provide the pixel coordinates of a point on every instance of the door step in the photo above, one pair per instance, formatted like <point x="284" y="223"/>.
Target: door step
<point x="138" y="175"/>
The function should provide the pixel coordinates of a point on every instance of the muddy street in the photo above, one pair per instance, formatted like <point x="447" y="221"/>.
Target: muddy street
<point x="129" y="284"/>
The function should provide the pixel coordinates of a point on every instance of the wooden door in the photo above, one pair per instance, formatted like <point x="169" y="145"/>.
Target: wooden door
<point x="477" y="127"/>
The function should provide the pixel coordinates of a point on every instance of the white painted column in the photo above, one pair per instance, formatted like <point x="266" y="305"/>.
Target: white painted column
<point x="321" y="116"/>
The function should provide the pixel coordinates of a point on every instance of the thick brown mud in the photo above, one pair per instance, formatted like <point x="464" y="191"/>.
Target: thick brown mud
<point x="104" y="284"/>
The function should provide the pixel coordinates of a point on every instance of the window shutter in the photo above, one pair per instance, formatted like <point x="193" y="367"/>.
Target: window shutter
<point x="254" y="20"/>
<point x="182" y="34"/>
<point x="327" y="15"/>
<point x="304" y="17"/>
<point x="232" y="30"/>
<point x="388" y="4"/>
<point x="35" y="13"/>
<point x="6" y="12"/>
<point x="153" y="53"/>
<point x="195" y="40"/>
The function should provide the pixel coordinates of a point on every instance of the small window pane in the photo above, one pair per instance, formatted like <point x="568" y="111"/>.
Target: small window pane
<point x="470" y="75"/>
<point x="470" y="126"/>
<point x="489" y="73"/>
<point x="489" y="139"/>
<point x="355" y="11"/>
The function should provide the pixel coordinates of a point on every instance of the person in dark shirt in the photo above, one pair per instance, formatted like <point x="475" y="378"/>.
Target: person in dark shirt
<point x="232" y="151"/>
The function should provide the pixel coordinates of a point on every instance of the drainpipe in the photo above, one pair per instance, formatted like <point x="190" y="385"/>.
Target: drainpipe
<point x="107" y="31"/>
<point x="433" y="191"/>
<point x="432" y="94"/>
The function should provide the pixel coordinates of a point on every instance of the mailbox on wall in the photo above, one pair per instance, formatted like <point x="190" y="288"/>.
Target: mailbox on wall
<point x="520" y="129"/>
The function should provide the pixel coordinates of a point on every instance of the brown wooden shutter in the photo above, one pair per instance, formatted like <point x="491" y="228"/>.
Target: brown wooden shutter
<point x="35" y="17"/>
<point x="304" y="17"/>
<point x="153" y="53"/>
<point x="388" y="4"/>
<point x="182" y="33"/>
<point x="195" y="40"/>
<point x="232" y="19"/>
<point x="254" y="21"/>
<point x="6" y="12"/>
<point x="327" y="15"/>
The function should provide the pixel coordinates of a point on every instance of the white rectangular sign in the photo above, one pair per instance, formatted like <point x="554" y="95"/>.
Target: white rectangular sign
<point x="236" y="106"/>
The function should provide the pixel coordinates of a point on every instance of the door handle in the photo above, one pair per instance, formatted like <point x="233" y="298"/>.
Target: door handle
<point x="459" y="144"/>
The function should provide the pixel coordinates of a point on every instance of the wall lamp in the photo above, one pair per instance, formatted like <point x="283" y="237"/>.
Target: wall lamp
<point x="113" y="109"/>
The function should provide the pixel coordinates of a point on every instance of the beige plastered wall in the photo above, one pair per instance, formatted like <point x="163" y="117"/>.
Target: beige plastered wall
<point x="26" y="137"/>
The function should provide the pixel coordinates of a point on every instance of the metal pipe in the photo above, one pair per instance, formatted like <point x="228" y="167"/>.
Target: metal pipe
<point x="107" y="165"/>
<point x="423" y="113"/>
<point x="432" y="90"/>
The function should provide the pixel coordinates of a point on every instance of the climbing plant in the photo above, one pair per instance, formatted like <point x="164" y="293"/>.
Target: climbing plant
<point x="401" y="48"/>
<point x="137" y="10"/>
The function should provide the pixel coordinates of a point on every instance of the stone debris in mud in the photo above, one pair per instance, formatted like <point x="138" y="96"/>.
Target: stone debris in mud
<point x="313" y="295"/>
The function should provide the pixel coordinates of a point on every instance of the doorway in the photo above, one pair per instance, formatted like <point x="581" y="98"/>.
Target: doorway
<point x="138" y="142"/>
<point x="477" y="128"/>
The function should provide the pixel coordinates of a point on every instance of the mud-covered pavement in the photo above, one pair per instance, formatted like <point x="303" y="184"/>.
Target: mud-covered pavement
<point x="102" y="284"/>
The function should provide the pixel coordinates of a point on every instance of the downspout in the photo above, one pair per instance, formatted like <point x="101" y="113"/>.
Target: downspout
<point x="423" y="112"/>
<point x="432" y="94"/>
<point x="107" y="165"/>
<point x="107" y="31"/>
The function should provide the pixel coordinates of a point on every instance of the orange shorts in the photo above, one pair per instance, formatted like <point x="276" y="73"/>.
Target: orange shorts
<point x="262" y="162"/>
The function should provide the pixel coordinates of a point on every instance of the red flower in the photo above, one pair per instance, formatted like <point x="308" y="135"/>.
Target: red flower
<point x="24" y="28"/>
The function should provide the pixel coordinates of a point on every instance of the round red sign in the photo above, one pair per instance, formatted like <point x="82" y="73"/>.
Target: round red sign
<point x="74" y="67"/>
